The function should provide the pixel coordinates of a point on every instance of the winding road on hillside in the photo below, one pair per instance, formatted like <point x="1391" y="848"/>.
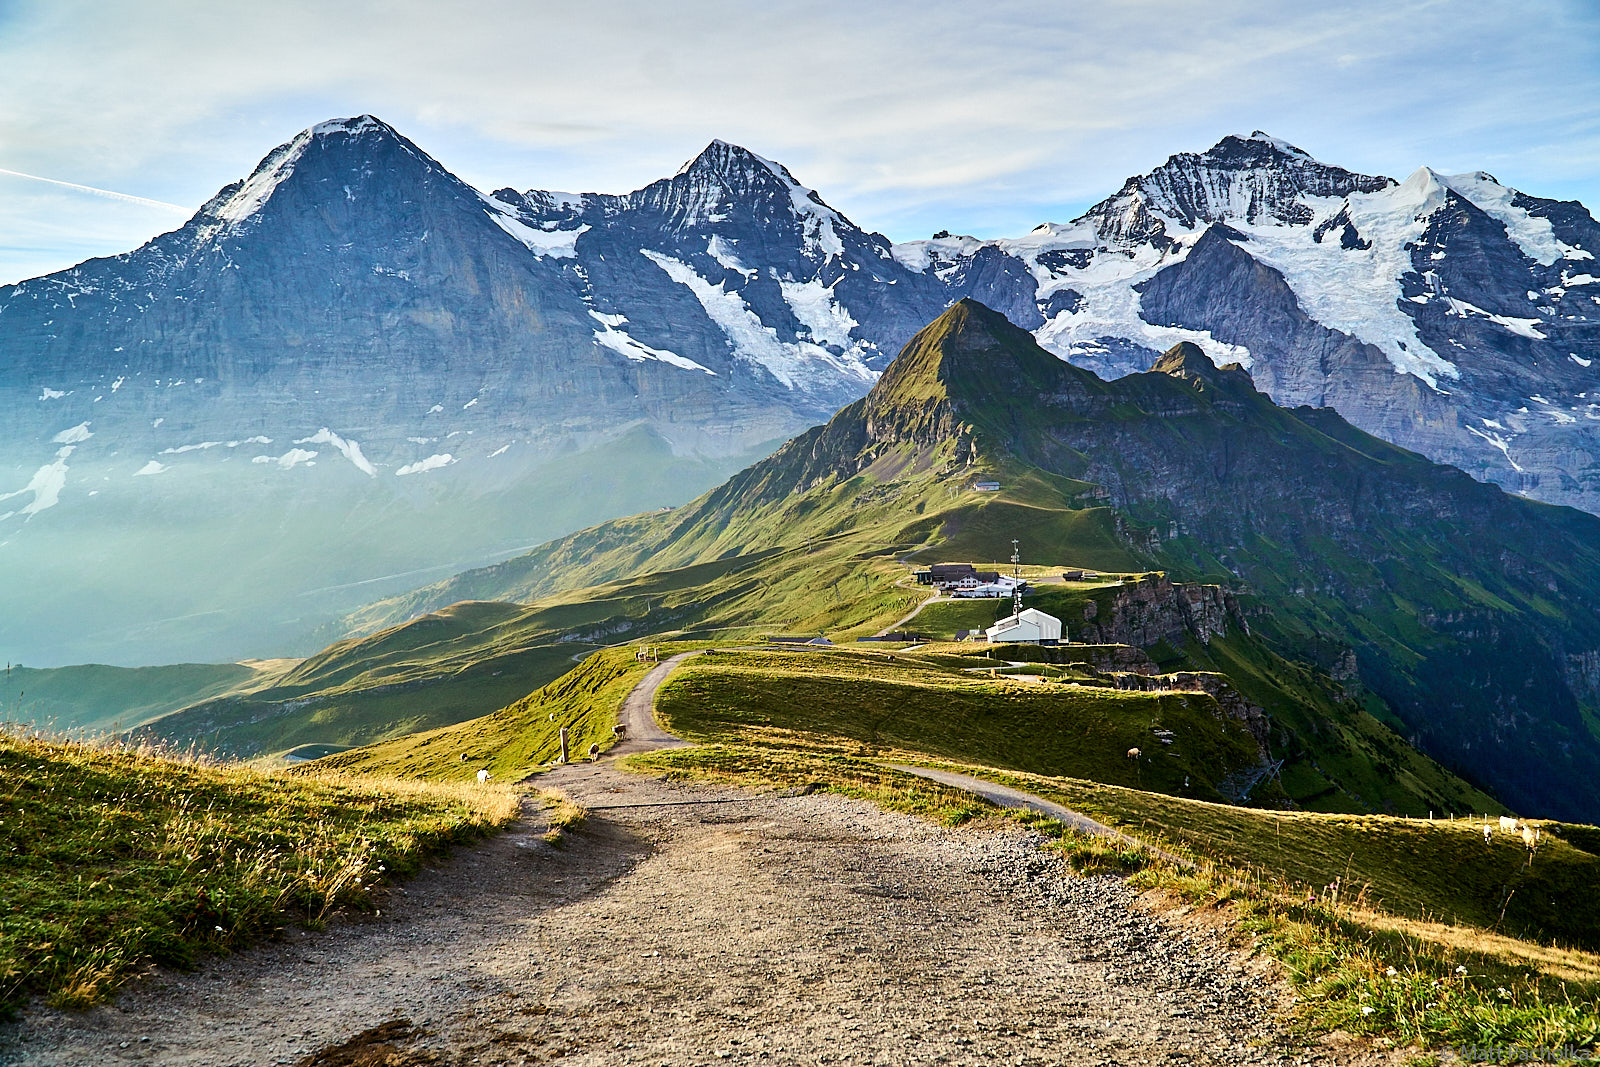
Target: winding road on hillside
<point x="690" y="923"/>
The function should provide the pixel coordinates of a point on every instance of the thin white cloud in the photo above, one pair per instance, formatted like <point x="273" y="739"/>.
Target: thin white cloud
<point x="908" y="116"/>
<point x="110" y="194"/>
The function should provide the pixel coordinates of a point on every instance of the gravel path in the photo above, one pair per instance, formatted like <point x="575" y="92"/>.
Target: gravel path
<point x="695" y="924"/>
<point x="637" y="714"/>
<point x="1007" y="797"/>
<point x="686" y="923"/>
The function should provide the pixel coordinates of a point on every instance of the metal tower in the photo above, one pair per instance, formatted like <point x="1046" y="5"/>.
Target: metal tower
<point x="1016" y="579"/>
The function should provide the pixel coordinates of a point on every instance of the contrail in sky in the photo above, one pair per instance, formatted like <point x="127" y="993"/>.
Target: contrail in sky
<point x="111" y="194"/>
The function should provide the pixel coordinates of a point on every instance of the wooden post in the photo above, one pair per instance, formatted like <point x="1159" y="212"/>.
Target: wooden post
<point x="563" y="744"/>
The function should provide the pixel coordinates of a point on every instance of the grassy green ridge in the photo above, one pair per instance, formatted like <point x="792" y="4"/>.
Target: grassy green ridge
<point x="516" y="741"/>
<point x="113" y="858"/>
<point x="869" y="702"/>
<point x="445" y="667"/>
<point x="1337" y="755"/>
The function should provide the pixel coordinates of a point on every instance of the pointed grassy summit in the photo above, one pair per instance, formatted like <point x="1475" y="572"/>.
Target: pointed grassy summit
<point x="974" y="357"/>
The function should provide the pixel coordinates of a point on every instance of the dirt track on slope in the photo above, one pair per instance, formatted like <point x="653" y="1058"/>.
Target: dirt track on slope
<point x="696" y="924"/>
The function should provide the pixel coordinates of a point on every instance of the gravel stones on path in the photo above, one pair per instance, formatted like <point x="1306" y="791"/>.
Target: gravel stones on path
<point x="688" y="923"/>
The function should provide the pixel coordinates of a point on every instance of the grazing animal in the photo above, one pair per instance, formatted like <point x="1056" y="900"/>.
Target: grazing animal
<point x="619" y="729"/>
<point x="1530" y="837"/>
<point x="1488" y="834"/>
<point x="1508" y="824"/>
<point x="483" y="776"/>
<point x="1134" y="753"/>
<point x="594" y="751"/>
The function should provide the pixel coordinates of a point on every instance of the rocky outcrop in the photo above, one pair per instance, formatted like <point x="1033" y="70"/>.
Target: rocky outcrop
<point x="1583" y="674"/>
<point x="1231" y="703"/>
<point x="1154" y="609"/>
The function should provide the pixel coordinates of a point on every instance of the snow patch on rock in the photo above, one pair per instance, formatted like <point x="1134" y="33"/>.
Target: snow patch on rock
<point x="618" y="341"/>
<point x="73" y="436"/>
<point x="796" y="365"/>
<point x="45" y="485"/>
<point x="432" y="463"/>
<point x="351" y="450"/>
<point x="816" y="309"/>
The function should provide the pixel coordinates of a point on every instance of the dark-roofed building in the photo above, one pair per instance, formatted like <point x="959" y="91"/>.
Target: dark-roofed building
<point x="948" y="574"/>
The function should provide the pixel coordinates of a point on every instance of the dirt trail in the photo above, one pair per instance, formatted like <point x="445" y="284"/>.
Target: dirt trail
<point x="692" y="924"/>
<point x="686" y="923"/>
<point x="1007" y="797"/>
<point x="637" y="714"/>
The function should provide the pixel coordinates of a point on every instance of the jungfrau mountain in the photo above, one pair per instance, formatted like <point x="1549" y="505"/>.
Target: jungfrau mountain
<point x="1447" y="314"/>
<point x="351" y="369"/>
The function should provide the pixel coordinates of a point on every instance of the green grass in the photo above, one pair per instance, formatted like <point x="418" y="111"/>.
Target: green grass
<point x="868" y="701"/>
<point x="517" y="740"/>
<point x="940" y="621"/>
<point x="115" y="858"/>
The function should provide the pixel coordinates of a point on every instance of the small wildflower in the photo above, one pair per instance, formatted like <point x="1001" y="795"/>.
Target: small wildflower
<point x="1366" y="1010"/>
<point x="218" y="929"/>
<point x="1461" y="970"/>
<point x="1503" y="993"/>
<point x="1391" y="972"/>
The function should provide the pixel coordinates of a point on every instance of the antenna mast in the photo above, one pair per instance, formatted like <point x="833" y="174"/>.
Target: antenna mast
<point x="1016" y="579"/>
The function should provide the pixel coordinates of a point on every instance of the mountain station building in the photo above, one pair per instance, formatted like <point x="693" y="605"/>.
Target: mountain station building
<point x="1030" y="626"/>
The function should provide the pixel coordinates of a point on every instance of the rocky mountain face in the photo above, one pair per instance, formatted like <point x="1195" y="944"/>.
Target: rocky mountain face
<point x="1147" y="612"/>
<point x="350" y="368"/>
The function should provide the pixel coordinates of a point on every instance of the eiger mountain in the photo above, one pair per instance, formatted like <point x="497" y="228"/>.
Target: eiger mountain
<point x="351" y="368"/>
<point x="1464" y="616"/>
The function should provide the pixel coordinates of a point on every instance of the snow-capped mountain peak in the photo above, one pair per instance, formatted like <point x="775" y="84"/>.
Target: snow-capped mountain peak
<point x="356" y="125"/>
<point x="358" y="144"/>
<point x="1533" y="234"/>
<point x="1276" y="142"/>
<point x="351" y="282"/>
<point x="1254" y="178"/>
<point x="741" y="174"/>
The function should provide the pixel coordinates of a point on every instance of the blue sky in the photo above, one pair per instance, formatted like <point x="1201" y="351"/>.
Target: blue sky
<point x="907" y="116"/>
